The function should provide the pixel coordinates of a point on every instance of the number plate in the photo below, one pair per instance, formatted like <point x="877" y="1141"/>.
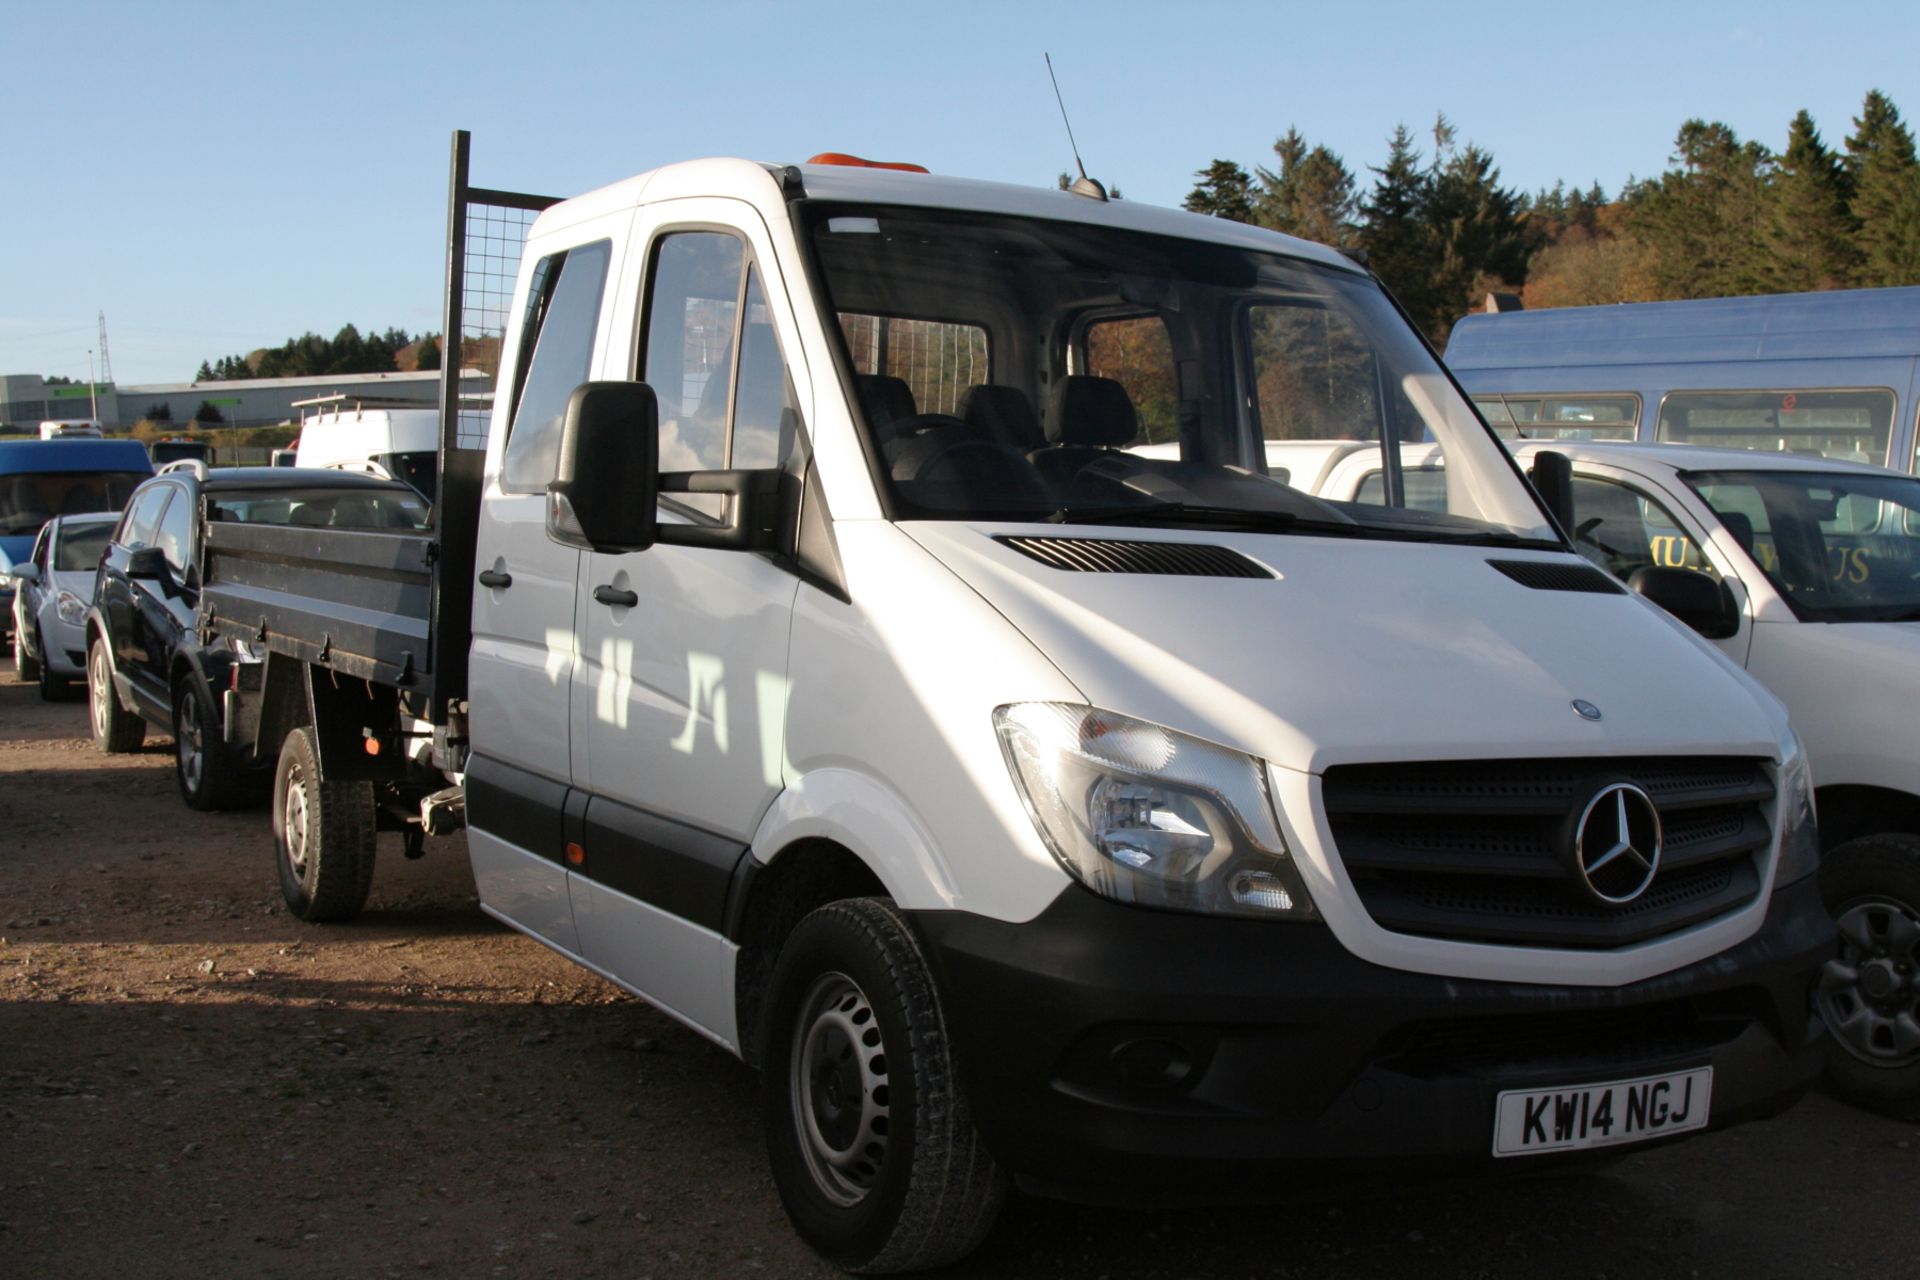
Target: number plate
<point x="1535" y="1121"/>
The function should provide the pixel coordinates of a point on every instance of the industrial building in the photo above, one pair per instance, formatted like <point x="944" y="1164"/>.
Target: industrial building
<point x="26" y="400"/>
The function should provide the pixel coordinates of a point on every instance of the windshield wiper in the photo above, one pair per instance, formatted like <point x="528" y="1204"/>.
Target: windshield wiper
<point x="1175" y="513"/>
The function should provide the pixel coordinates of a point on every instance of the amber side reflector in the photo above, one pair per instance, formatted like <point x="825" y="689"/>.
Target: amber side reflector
<point x="372" y="745"/>
<point x="576" y="856"/>
<point x="841" y="157"/>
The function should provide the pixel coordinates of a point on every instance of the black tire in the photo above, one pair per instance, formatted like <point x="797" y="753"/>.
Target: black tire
<point x="1870" y="993"/>
<point x="211" y="776"/>
<point x="53" y="688"/>
<point x="323" y="836"/>
<point x="116" y="730"/>
<point x="902" y="1182"/>
<point x="25" y="668"/>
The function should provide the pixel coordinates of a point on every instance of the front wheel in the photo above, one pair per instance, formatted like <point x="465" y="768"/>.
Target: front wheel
<point x="323" y="836"/>
<point x="116" y="730"/>
<point x="25" y="668"/>
<point x="1870" y="993"/>
<point x="53" y="688"/>
<point x="870" y="1137"/>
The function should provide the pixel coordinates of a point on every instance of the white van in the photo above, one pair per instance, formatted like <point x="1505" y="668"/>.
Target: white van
<point x="70" y="429"/>
<point x="391" y="437"/>
<point x="812" y="656"/>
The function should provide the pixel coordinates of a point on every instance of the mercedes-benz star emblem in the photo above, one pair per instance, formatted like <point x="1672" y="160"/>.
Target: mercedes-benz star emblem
<point x="1616" y="844"/>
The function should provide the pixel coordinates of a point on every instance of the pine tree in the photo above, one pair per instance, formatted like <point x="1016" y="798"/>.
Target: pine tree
<point x="1886" y="194"/>
<point x="1702" y="221"/>
<point x="1809" y="234"/>
<point x="1310" y="195"/>
<point x="1225" y="191"/>
<point x="1479" y="236"/>
<point x="1393" y="230"/>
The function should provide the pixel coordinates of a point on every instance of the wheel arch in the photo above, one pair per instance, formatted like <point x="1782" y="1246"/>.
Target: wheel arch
<point x="1850" y="811"/>
<point x="772" y="897"/>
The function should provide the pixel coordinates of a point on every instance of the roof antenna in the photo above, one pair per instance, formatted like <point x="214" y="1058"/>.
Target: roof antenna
<point x="1083" y="185"/>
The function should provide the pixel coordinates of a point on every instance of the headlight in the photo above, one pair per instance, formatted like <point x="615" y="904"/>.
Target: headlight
<point x="1799" y="829"/>
<point x="1143" y="814"/>
<point x="71" y="608"/>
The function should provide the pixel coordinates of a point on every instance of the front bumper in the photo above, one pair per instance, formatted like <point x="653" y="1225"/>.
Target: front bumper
<point x="1119" y="1055"/>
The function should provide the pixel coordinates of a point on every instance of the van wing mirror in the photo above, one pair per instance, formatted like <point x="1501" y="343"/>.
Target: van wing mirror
<point x="1552" y="476"/>
<point x="603" y="491"/>
<point x="1702" y="602"/>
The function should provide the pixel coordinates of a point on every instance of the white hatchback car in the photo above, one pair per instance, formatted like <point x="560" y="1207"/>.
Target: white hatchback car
<point x="55" y="589"/>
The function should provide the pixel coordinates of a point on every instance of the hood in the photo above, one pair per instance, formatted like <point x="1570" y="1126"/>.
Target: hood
<point x="1369" y="651"/>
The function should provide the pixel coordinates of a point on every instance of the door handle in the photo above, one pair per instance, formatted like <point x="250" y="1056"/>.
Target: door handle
<point x="618" y="599"/>
<point x="495" y="579"/>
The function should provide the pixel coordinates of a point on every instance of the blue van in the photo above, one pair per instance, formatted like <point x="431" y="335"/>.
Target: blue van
<point x="41" y="479"/>
<point x="1832" y="374"/>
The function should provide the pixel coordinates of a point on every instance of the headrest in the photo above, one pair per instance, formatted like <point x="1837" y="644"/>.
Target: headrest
<point x="1089" y="410"/>
<point x="884" y="398"/>
<point x="1740" y="526"/>
<point x="1003" y="414"/>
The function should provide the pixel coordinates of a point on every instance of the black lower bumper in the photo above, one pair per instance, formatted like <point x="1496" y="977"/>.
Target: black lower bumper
<point x="1116" y="1054"/>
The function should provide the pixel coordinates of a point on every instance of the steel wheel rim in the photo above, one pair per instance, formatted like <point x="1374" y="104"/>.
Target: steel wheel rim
<point x="193" y="763"/>
<point x="837" y="1079"/>
<point x="293" y="820"/>
<point x="97" y="693"/>
<point x="1868" y="993"/>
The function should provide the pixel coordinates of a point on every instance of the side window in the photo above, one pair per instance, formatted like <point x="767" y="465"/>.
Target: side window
<point x="175" y="536"/>
<point x="1852" y="425"/>
<point x="41" y="547"/>
<point x="144" y="518"/>
<point x="1138" y="354"/>
<point x="714" y="363"/>
<point x="1313" y="375"/>
<point x="564" y="313"/>
<point x="1536" y="417"/>
<point x="1622" y="529"/>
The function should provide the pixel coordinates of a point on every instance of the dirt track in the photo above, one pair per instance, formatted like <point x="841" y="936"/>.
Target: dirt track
<point x="194" y="1084"/>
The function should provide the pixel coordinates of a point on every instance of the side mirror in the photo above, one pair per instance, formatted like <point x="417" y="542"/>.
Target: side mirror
<point x="1552" y="476"/>
<point x="1703" y="603"/>
<point x="25" y="573"/>
<point x="603" y="491"/>
<point x="147" y="562"/>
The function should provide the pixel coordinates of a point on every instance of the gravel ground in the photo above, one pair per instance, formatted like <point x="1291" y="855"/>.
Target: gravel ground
<point x="194" y="1084"/>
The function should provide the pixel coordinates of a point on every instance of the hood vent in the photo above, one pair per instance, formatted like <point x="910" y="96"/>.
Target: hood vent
<point x="1115" y="555"/>
<point x="1545" y="575"/>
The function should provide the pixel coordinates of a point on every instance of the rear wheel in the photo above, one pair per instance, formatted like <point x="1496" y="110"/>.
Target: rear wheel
<point x="53" y="688"/>
<point x="116" y="730"/>
<point x="1870" y="993"/>
<point x="871" y="1141"/>
<point x="323" y="835"/>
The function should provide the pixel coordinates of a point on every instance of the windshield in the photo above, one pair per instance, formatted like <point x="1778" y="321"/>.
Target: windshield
<point x="82" y="545"/>
<point x="1838" y="548"/>
<point x="1019" y="369"/>
<point x="28" y="501"/>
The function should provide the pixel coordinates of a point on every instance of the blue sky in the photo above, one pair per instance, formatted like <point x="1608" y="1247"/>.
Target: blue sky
<point x="221" y="176"/>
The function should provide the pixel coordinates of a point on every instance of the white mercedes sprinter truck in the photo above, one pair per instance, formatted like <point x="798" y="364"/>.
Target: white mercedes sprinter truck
<point x="1030" y="811"/>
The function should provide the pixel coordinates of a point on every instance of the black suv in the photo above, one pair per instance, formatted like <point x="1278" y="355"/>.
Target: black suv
<point x="145" y="663"/>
